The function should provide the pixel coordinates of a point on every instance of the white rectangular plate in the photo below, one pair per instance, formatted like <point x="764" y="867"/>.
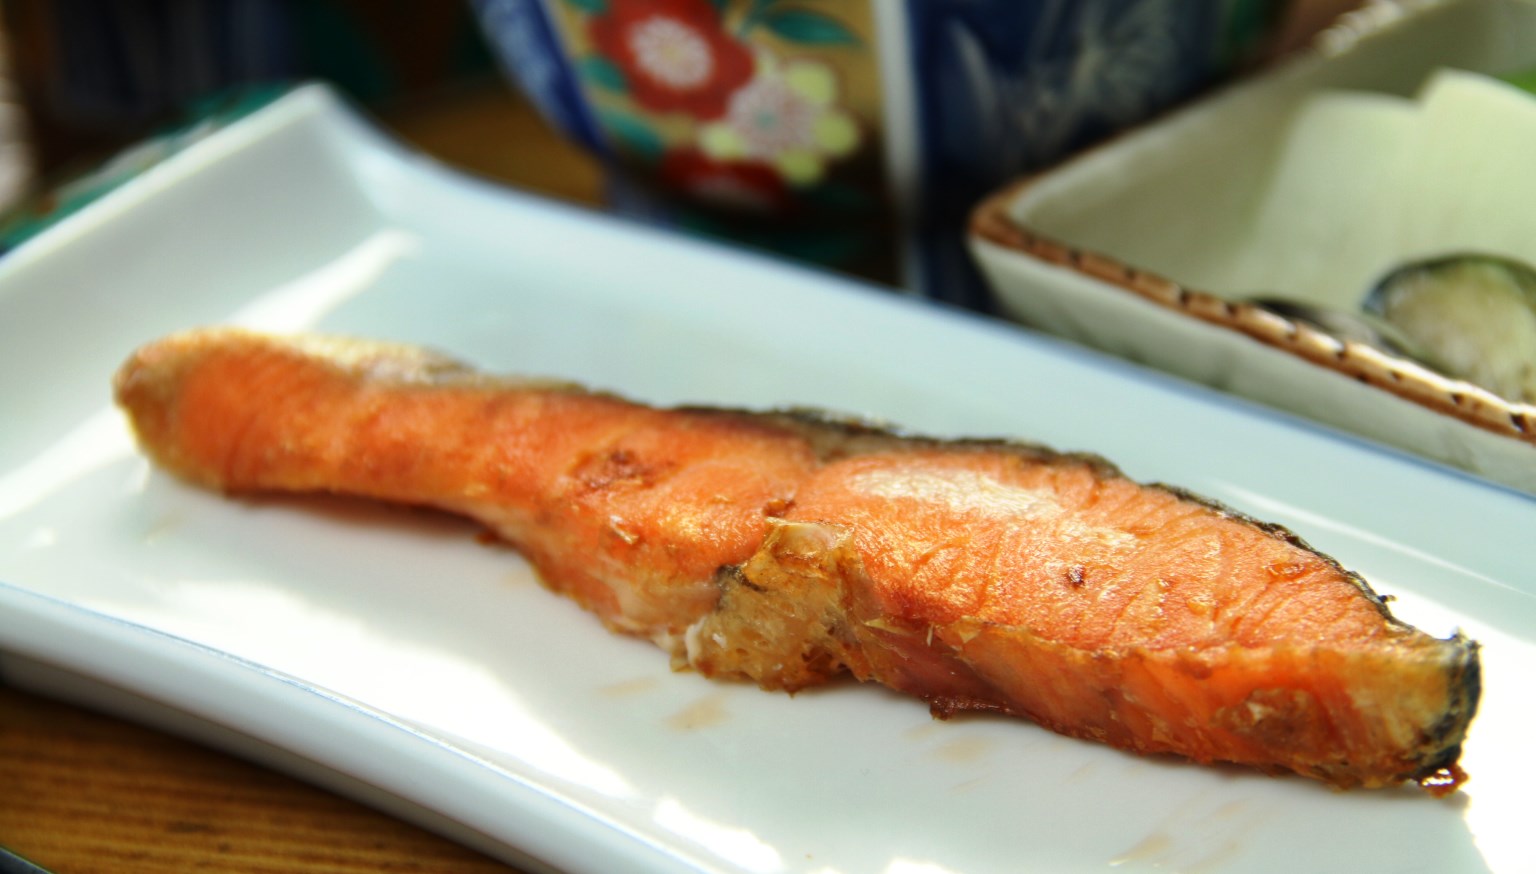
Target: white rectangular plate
<point x="388" y="654"/>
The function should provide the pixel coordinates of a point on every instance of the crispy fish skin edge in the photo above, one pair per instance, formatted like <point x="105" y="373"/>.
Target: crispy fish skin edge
<point x="838" y="436"/>
<point x="835" y="436"/>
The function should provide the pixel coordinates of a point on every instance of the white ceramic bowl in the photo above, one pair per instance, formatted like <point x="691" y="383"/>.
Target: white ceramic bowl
<point x="1144" y="247"/>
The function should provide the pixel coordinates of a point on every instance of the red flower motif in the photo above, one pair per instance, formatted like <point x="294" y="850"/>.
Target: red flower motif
<point x="674" y="54"/>
<point x="739" y="186"/>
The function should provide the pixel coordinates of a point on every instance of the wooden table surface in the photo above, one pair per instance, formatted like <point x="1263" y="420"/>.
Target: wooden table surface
<point x="82" y="792"/>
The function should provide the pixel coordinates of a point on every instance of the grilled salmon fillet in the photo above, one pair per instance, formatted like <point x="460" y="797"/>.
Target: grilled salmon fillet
<point x="787" y="548"/>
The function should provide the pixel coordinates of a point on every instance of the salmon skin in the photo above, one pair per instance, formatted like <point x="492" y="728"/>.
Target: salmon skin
<point x="787" y="548"/>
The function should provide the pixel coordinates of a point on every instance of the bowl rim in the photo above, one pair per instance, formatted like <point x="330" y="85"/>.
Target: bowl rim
<point x="992" y="222"/>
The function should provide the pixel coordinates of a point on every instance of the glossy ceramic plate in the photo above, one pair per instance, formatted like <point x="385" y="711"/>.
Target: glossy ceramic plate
<point x="392" y="656"/>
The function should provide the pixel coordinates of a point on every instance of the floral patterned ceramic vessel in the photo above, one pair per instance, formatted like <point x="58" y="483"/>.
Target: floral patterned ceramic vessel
<point x="829" y="129"/>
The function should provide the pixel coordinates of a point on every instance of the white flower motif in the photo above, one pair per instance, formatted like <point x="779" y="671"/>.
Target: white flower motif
<point x="786" y="116"/>
<point x="672" y="52"/>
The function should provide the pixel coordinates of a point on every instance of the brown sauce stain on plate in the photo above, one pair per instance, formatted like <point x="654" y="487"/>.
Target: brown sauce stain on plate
<point x="626" y="688"/>
<point x="924" y="730"/>
<point x="519" y="577"/>
<point x="1083" y="772"/>
<point x="705" y="712"/>
<point x="964" y="749"/>
<point x="1152" y="848"/>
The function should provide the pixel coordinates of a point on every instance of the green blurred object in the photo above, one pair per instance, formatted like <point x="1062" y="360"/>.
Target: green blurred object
<point x="333" y="46"/>
<point x="1525" y="79"/>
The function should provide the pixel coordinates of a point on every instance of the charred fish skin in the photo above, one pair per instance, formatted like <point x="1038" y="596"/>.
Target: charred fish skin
<point x="789" y="547"/>
<point x="1440" y="773"/>
<point x="807" y="589"/>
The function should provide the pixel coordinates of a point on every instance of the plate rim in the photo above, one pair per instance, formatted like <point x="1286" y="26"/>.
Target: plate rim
<point x="627" y="843"/>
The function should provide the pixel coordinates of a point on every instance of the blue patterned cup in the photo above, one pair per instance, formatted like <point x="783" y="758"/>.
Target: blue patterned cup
<point x="856" y="133"/>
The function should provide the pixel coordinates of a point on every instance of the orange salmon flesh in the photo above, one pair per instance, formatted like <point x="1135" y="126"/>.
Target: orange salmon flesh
<point x="790" y="548"/>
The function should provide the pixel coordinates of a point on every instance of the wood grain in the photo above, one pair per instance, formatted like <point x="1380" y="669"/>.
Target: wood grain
<point x="86" y="793"/>
<point x="489" y="131"/>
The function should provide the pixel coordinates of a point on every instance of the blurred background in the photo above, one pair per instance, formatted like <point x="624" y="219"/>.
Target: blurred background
<point x="94" y="75"/>
<point x="84" y="79"/>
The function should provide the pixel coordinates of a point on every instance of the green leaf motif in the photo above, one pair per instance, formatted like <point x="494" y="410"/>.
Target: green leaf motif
<point x="758" y="7"/>
<point x="605" y="74"/>
<point x="633" y="135"/>
<point x="591" y="7"/>
<point x="810" y="28"/>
